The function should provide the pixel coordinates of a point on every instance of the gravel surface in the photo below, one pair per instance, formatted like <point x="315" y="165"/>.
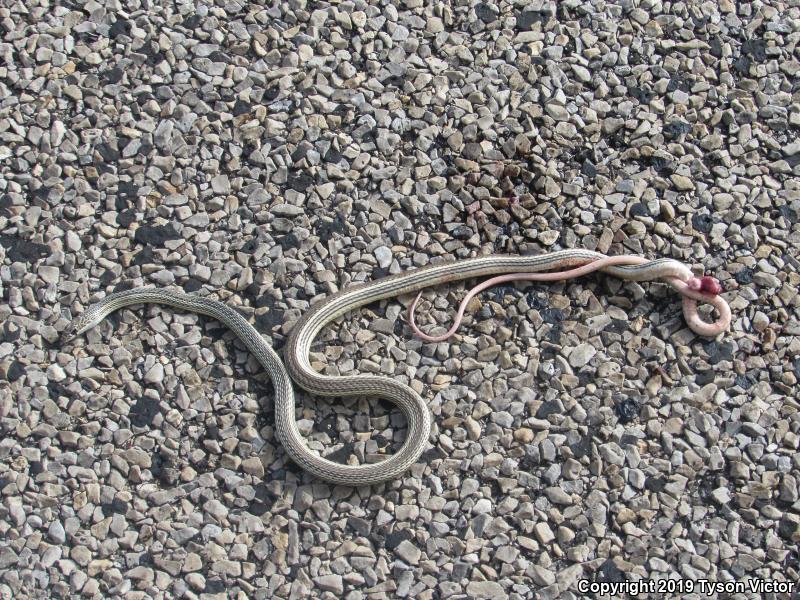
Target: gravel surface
<point x="268" y="156"/>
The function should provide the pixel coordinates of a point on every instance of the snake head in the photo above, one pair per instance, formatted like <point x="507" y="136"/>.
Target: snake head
<point x="84" y="322"/>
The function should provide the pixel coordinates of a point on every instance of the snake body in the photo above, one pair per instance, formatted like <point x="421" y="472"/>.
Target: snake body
<point x="312" y="322"/>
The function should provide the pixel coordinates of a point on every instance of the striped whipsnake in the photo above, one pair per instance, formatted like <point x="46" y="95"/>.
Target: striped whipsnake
<point x="567" y="263"/>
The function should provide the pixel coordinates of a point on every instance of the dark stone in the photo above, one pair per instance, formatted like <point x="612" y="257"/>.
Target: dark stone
<point x="583" y="447"/>
<point x="342" y="454"/>
<point x="755" y="49"/>
<point x="271" y="93"/>
<point x="19" y="250"/>
<point x="107" y="277"/>
<point x="547" y="409"/>
<point x="537" y="301"/>
<point x="268" y="320"/>
<point x="215" y="586"/>
<point x="9" y="332"/>
<point x="162" y="469"/>
<point x="742" y="65"/>
<point x="643" y="95"/>
<point x="426" y="222"/>
<point x="744" y="277"/>
<point x="431" y="455"/>
<point x="627" y="410"/>
<point x="677" y="128"/>
<point x="193" y="21"/>
<point x="718" y="352"/>
<point x="360" y="526"/>
<point x="497" y="294"/>
<point x="678" y="83"/>
<point x="554" y="337"/>
<point x="143" y="412"/>
<point x="144" y="257"/>
<point x="382" y="440"/>
<point x="461" y="570"/>
<point x="116" y="506"/>
<point x="753" y="537"/>
<point x="610" y="573"/>
<point x="787" y="528"/>
<point x="107" y="152"/>
<point x="118" y="28"/>
<point x="326" y="228"/>
<point x="333" y="156"/>
<point x="525" y="20"/>
<point x="126" y="217"/>
<point x="156" y="235"/>
<point x="192" y="285"/>
<point x="793" y="161"/>
<point x="639" y="210"/>
<point x="219" y="57"/>
<point x="264" y="500"/>
<point x="716" y="46"/>
<point x="327" y="425"/>
<point x="14" y="371"/>
<point x="398" y="328"/>
<point x="588" y="168"/>
<point x="655" y="484"/>
<point x="702" y="222"/>
<point x="789" y="213"/>
<point x="288" y="241"/>
<point x="153" y="53"/>
<point x="485" y="13"/>
<point x="662" y="165"/>
<point x="127" y="189"/>
<point x="395" y="538"/>
<point x="58" y="391"/>
<point x="552" y="316"/>
<point x="462" y="232"/>
<point x="113" y="75"/>
<point x="745" y="381"/>
<point x="704" y="377"/>
<point x="241" y="107"/>
<point x="5" y="206"/>
<point x="301" y="151"/>
<point x="617" y="326"/>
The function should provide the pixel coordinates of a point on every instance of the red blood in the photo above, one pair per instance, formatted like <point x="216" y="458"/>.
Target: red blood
<point x="710" y="285"/>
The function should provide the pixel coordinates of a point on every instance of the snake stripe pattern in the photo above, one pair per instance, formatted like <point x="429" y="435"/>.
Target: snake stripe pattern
<point x="296" y="354"/>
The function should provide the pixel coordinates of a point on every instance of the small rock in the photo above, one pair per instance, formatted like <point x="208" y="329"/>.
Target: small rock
<point x="485" y="590"/>
<point x="408" y="552"/>
<point x="543" y="533"/>
<point x="581" y="355"/>
<point x="681" y="182"/>
<point x="56" y="533"/>
<point x="221" y="184"/>
<point x="384" y="256"/>
<point x="330" y="583"/>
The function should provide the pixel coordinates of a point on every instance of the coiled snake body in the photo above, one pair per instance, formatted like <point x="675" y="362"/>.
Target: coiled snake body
<point x="411" y="404"/>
